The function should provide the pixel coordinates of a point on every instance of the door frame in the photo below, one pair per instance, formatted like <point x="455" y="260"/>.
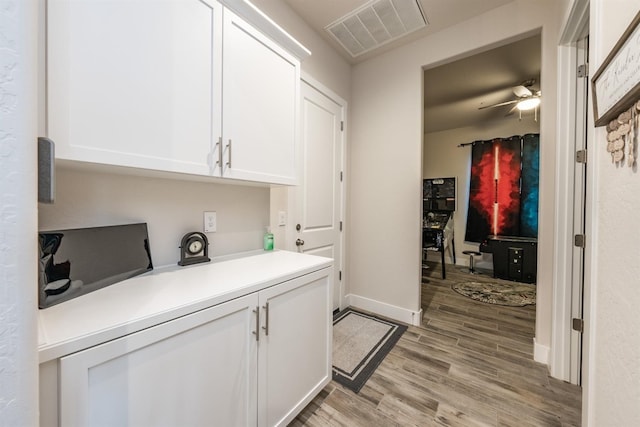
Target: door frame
<point x="576" y="27"/>
<point x="339" y="264"/>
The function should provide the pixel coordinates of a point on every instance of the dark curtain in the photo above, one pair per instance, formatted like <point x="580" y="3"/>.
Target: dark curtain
<point x="494" y="189"/>
<point x="530" y="188"/>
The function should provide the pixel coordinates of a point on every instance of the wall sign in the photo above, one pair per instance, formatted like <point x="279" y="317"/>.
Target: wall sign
<point x="616" y="84"/>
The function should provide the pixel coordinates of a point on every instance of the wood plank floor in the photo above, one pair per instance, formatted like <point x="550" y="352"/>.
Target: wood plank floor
<point x="469" y="364"/>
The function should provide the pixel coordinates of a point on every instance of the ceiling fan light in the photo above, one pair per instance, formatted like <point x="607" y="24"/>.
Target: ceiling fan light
<point x="528" y="104"/>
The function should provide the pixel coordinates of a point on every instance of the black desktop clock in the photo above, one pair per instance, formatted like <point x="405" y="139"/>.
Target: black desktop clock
<point x="194" y="248"/>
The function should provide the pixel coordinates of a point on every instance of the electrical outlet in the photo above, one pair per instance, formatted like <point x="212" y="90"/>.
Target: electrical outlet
<point x="282" y="218"/>
<point x="210" y="222"/>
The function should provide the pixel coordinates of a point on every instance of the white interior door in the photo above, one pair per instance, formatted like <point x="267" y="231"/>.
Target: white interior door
<point x="579" y="189"/>
<point x="319" y="195"/>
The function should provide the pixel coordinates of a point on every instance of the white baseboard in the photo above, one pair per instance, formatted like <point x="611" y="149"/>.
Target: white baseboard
<point x="541" y="353"/>
<point x="387" y="310"/>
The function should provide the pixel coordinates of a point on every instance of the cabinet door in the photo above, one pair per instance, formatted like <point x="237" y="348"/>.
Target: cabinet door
<point x="197" y="370"/>
<point x="135" y="83"/>
<point x="260" y="105"/>
<point x="294" y="353"/>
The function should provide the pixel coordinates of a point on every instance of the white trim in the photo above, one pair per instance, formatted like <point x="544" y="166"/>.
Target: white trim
<point x="576" y="22"/>
<point x="540" y="353"/>
<point x="559" y="362"/>
<point x="590" y="285"/>
<point x="590" y="259"/>
<point x="575" y="27"/>
<point x="383" y="309"/>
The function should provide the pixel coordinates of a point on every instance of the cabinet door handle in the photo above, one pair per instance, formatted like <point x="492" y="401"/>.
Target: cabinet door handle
<point x="229" y="148"/>
<point x="266" y="319"/>
<point x="257" y="331"/>
<point x="219" y="162"/>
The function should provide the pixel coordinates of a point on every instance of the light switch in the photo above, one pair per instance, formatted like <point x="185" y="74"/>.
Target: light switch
<point x="282" y="218"/>
<point x="210" y="222"/>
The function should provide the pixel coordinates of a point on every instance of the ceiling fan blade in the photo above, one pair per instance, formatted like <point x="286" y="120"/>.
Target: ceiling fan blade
<point x="511" y="111"/>
<point x="499" y="105"/>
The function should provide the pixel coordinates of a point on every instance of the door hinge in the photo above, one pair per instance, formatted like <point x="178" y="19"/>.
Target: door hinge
<point x="581" y="156"/>
<point x="340" y="176"/>
<point x="578" y="325"/>
<point x="341" y="126"/>
<point x="340" y="275"/>
<point x="583" y="70"/>
<point x="340" y="225"/>
<point x="579" y="240"/>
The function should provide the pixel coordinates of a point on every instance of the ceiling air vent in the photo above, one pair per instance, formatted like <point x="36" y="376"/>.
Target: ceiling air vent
<point x="376" y="23"/>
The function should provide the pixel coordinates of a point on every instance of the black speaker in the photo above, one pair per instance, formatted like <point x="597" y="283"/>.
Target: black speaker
<point x="46" y="170"/>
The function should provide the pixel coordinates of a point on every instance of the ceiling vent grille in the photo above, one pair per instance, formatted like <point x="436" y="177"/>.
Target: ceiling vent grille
<point x="376" y="23"/>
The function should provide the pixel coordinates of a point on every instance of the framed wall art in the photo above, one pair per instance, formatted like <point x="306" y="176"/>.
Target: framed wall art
<point x="616" y="84"/>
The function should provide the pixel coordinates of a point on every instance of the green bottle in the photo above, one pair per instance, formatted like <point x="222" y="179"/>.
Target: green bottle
<point x="268" y="240"/>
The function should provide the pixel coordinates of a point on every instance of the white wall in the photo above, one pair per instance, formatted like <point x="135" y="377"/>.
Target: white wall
<point x="170" y="208"/>
<point x="18" y="221"/>
<point x="386" y="154"/>
<point x="443" y="158"/>
<point x="613" y="361"/>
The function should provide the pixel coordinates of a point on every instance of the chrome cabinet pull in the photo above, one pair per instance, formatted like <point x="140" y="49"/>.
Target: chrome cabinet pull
<point x="257" y="331"/>
<point x="266" y="319"/>
<point x="229" y="148"/>
<point x="219" y="162"/>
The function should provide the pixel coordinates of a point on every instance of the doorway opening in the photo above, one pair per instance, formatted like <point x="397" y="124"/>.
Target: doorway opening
<point x="473" y="99"/>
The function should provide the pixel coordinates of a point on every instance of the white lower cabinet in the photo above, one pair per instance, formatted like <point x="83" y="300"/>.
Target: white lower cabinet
<point x="255" y="360"/>
<point x="294" y="355"/>
<point x="198" y="370"/>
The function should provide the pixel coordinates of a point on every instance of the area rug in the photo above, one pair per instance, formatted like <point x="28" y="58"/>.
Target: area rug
<point x="360" y="343"/>
<point x="510" y="294"/>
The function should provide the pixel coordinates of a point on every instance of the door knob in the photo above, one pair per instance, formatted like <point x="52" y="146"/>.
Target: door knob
<point x="299" y="242"/>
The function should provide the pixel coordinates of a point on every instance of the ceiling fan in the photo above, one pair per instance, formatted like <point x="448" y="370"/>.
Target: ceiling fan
<point x="525" y="97"/>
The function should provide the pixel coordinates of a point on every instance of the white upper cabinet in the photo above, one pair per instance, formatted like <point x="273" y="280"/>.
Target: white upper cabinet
<point x="135" y="83"/>
<point x="167" y="85"/>
<point x="260" y="111"/>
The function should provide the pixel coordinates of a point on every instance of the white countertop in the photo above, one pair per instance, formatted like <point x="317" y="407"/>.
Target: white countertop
<point x="161" y="295"/>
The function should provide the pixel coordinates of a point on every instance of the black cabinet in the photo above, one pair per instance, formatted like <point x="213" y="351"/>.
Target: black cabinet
<point x="514" y="258"/>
